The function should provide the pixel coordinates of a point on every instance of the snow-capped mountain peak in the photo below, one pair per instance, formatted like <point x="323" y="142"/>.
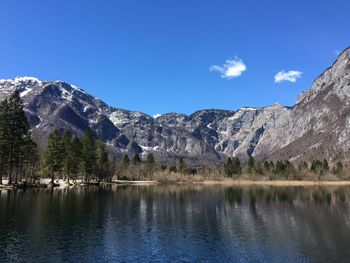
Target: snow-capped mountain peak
<point x="317" y="127"/>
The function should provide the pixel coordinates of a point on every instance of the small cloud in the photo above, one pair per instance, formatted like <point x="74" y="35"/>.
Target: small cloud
<point x="290" y="76"/>
<point x="155" y="116"/>
<point x="232" y="68"/>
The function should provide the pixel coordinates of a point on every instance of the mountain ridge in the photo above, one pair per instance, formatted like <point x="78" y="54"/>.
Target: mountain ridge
<point x="208" y="135"/>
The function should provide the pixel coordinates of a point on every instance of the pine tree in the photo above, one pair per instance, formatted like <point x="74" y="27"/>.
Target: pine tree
<point x="182" y="165"/>
<point x="126" y="161"/>
<point x="30" y="157"/>
<point x="258" y="168"/>
<point x="267" y="167"/>
<point x="102" y="161"/>
<point x="136" y="160"/>
<point x="19" y="127"/>
<point x="4" y="135"/>
<point x="124" y="167"/>
<point x="338" y="169"/>
<point x="76" y="161"/>
<point x="233" y="166"/>
<point x="280" y="167"/>
<point x="251" y="165"/>
<point x="317" y="167"/>
<point x="88" y="155"/>
<point x="325" y="165"/>
<point x="72" y="151"/>
<point x="53" y="158"/>
<point x="227" y="167"/>
<point x="236" y="166"/>
<point x="150" y="164"/>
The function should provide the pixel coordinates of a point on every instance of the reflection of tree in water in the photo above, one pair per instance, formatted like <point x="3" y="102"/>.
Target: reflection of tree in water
<point x="234" y="195"/>
<point x="340" y="195"/>
<point x="256" y="194"/>
<point x="171" y="218"/>
<point x="321" y="196"/>
<point x="268" y="194"/>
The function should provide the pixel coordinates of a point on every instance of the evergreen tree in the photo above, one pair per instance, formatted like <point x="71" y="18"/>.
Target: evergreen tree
<point x="233" y="166"/>
<point x="53" y="159"/>
<point x="280" y="167"/>
<point x="136" y="160"/>
<point x="30" y="158"/>
<point x="67" y="143"/>
<point x="313" y="166"/>
<point x="227" y="167"/>
<point x="317" y="167"/>
<point x="17" y="150"/>
<point x="4" y="136"/>
<point x="19" y="127"/>
<point x="267" y="167"/>
<point x="338" y="168"/>
<point x="76" y="161"/>
<point x="258" y="168"/>
<point x="182" y="165"/>
<point x="163" y="167"/>
<point x="150" y="164"/>
<point x="72" y="153"/>
<point x="251" y="165"/>
<point x="126" y="161"/>
<point x="124" y="167"/>
<point x="325" y="165"/>
<point x="102" y="161"/>
<point x="236" y="166"/>
<point x="88" y="154"/>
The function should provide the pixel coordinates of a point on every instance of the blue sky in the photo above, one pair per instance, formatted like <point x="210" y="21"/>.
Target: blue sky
<point x="170" y="55"/>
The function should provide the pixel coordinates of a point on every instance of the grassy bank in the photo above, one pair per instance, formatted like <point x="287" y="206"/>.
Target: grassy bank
<point x="210" y="179"/>
<point x="273" y="182"/>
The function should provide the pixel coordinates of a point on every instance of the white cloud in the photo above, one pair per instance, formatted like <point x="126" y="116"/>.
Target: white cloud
<point x="156" y="115"/>
<point x="290" y="76"/>
<point x="232" y="68"/>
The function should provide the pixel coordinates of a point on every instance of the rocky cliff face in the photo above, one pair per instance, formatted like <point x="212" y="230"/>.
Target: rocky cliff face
<point x="318" y="126"/>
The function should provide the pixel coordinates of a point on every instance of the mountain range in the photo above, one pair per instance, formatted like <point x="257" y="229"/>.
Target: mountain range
<point x="316" y="127"/>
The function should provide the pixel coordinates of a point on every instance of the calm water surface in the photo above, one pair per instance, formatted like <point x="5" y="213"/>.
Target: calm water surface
<point x="176" y="224"/>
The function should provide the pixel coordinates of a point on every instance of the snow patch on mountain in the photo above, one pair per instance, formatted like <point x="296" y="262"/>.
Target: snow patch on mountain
<point x="25" y="92"/>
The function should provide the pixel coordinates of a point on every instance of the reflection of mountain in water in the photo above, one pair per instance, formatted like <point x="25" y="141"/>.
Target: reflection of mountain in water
<point x="172" y="222"/>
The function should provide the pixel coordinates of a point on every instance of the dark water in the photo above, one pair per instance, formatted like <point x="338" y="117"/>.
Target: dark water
<point x="176" y="224"/>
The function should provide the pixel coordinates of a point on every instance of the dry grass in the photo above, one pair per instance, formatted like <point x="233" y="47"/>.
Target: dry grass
<point x="167" y="177"/>
<point x="273" y="182"/>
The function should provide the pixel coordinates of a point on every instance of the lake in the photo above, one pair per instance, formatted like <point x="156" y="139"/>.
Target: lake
<point x="176" y="223"/>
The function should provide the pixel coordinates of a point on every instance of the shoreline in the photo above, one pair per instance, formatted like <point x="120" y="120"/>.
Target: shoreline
<point x="225" y="182"/>
<point x="246" y="182"/>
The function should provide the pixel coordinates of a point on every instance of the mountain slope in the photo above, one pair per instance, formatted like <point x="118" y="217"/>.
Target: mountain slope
<point x="319" y="123"/>
<point x="318" y="126"/>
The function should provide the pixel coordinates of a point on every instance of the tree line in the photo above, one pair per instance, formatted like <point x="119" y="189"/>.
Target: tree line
<point x="65" y="155"/>
<point x="138" y="169"/>
<point x="281" y="169"/>
<point x="72" y="157"/>
<point x="68" y="156"/>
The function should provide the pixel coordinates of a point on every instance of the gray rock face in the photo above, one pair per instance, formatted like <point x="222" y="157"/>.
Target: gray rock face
<point x="319" y="123"/>
<point x="318" y="126"/>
